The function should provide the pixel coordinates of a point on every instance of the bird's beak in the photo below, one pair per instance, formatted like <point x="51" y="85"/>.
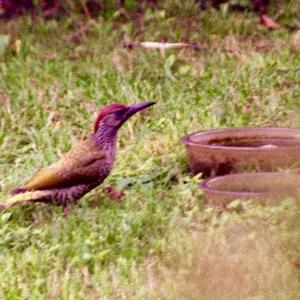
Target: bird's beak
<point x="134" y="108"/>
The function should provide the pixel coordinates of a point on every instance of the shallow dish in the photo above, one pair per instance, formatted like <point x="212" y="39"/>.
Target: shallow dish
<point x="232" y="150"/>
<point x="265" y="187"/>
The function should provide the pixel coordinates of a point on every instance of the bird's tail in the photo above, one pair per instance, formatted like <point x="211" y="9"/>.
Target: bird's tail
<point x="26" y="197"/>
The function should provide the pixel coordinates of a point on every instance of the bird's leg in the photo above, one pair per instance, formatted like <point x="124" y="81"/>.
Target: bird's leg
<point x="68" y="199"/>
<point x="67" y="209"/>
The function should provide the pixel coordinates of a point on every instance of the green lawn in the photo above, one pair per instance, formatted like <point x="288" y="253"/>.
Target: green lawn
<point x="160" y="242"/>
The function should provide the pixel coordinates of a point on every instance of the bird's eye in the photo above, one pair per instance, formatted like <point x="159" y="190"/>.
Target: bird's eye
<point x="119" y="113"/>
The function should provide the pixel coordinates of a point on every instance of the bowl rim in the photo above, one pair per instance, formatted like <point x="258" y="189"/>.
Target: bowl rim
<point x="204" y="187"/>
<point x="187" y="141"/>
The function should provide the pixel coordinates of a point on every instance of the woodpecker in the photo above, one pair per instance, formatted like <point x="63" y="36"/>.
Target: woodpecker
<point x="84" y="167"/>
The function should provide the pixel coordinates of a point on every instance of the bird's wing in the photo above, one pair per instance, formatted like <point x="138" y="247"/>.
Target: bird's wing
<point x="82" y="164"/>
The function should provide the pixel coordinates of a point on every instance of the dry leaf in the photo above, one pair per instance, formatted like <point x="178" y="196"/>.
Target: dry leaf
<point x="157" y="45"/>
<point x="18" y="45"/>
<point x="268" y="22"/>
<point x="162" y="46"/>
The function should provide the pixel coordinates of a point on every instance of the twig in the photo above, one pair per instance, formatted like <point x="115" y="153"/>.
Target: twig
<point x="80" y="34"/>
<point x="85" y="9"/>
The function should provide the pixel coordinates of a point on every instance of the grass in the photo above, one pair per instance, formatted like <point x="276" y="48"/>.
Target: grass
<point x="51" y="89"/>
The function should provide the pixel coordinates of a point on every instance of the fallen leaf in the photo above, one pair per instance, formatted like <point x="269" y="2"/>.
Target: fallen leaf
<point x="18" y="45"/>
<point x="162" y="46"/>
<point x="268" y="22"/>
<point x="158" y="45"/>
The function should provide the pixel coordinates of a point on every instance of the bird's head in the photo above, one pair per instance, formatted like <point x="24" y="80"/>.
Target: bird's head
<point x="116" y="114"/>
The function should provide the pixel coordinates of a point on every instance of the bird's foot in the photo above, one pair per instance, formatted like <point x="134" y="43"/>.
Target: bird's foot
<point x="114" y="194"/>
<point x="67" y="209"/>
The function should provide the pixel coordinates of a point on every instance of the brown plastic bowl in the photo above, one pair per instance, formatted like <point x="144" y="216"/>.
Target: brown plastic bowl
<point x="232" y="150"/>
<point x="265" y="187"/>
